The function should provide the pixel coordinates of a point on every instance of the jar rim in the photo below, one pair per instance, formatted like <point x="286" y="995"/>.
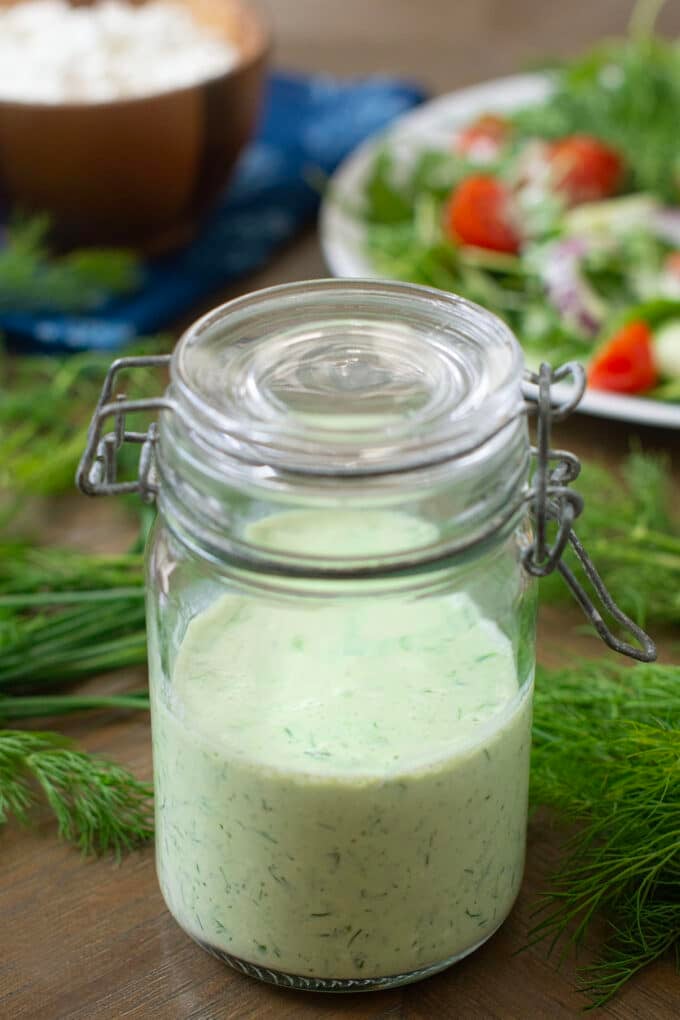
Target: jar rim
<point x="347" y="377"/>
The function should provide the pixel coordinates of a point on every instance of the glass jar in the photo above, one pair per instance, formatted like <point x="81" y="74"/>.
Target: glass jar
<point x="341" y="632"/>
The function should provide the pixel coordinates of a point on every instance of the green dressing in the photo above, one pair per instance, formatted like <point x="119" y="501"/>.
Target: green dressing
<point x="342" y="784"/>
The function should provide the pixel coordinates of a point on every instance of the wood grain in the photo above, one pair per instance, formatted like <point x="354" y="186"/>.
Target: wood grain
<point x="92" y="940"/>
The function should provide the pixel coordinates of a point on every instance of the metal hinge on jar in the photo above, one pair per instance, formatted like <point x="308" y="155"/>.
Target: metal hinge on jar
<point x="97" y="473"/>
<point x="551" y="499"/>
<point x="549" y="495"/>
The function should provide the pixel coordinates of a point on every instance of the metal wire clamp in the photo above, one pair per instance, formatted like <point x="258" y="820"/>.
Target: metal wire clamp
<point x="552" y="500"/>
<point x="549" y="495"/>
<point x="98" y="469"/>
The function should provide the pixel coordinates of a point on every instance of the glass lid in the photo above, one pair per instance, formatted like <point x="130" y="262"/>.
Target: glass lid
<point x="336" y="376"/>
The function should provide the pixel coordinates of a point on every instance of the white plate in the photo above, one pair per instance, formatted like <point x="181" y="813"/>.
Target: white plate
<point x="433" y="125"/>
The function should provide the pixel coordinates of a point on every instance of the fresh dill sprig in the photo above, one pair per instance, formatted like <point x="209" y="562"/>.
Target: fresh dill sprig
<point x="49" y="650"/>
<point x="606" y="757"/>
<point x="32" y="278"/>
<point x="66" y="615"/>
<point x="28" y="572"/>
<point x="99" y="806"/>
<point x="46" y="403"/>
<point x="37" y="706"/>
<point x="632" y="536"/>
<point x="53" y="631"/>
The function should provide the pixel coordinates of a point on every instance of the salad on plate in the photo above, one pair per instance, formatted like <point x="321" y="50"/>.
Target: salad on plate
<point x="563" y="216"/>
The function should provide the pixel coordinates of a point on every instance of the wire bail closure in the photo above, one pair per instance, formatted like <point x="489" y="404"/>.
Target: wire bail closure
<point x="549" y="495"/>
<point x="552" y="500"/>
<point x="98" y="469"/>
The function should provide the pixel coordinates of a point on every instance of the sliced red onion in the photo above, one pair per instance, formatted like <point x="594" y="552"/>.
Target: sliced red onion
<point x="567" y="289"/>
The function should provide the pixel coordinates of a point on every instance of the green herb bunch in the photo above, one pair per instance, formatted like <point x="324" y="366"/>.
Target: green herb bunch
<point x="32" y="278"/>
<point x="65" y="616"/>
<point x="45" y="406"/>
<point x="606" y="756"/>
<point x="99" y="806"/>
<point x="633" y="538"/>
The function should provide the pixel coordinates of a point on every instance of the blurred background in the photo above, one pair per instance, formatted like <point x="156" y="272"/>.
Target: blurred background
<point x="442" y="44"/>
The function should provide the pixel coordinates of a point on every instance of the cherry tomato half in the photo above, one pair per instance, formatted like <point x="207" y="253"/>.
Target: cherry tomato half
<point x="584" y="169"/>
<point x="479" y="213"/>
<point x="626" y="362"/>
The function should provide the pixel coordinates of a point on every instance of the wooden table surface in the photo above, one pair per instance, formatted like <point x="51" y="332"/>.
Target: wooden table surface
<point x="92" y="940"/>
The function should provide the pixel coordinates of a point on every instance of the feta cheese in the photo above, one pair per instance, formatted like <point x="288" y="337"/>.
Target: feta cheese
<point x="51" y="52"/>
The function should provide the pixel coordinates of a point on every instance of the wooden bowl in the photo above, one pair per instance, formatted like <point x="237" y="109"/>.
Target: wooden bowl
<point x="137" y="172"/>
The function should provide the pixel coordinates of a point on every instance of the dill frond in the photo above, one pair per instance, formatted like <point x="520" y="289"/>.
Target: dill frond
<point x="633" y="538"/>
<point x="606" y="756"/>
<point x="99" y="806"/>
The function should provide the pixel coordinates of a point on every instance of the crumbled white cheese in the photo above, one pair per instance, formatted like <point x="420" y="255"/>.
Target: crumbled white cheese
<point x="51" y="52"/>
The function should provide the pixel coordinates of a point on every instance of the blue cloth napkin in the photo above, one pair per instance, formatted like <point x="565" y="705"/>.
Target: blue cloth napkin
<point x="309" y="124"/>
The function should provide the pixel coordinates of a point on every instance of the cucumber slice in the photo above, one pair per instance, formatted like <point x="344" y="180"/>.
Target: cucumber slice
<point x="667" y="349"/>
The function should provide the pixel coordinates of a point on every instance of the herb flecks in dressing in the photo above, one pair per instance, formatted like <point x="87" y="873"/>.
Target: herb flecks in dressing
<point x="342" y="785"/>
